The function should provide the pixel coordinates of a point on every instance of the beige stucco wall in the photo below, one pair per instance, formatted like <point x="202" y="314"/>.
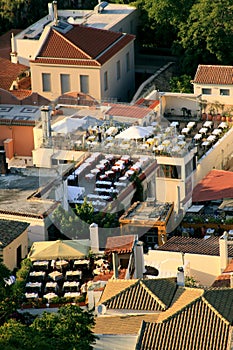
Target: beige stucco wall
<point x="173" y="102"/>
<point x="204" y="268"/>
<point x="73" y="71"/>
<point x="215" y="93"/>
<point x="116" y="342"/>
<point x="119" y="89"/>
<point x="10" y="251"/>
<point x="166" y="188"/>
<point x="215" y="157"/>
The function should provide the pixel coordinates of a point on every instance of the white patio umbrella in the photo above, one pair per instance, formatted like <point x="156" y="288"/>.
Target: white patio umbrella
<point x="134" y="132"/>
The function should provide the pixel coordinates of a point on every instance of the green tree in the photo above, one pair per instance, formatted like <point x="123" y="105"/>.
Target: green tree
<point x="206" y="36"/>
<point x="70" y="328"/>
<point x="181" y="84"/>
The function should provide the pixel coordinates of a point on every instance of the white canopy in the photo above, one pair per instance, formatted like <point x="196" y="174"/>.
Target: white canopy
<point x="67" y="125"/>
<point x="134" y="132"/>
<point x="74" y="193"/>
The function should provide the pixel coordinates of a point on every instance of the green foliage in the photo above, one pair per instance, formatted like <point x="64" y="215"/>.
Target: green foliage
<point x="181" y="84"/>
<point x="70" y="328"/>
<point x="190" y="282"/>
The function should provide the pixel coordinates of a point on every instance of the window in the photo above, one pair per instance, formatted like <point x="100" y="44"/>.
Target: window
<point x="65" y="83"/>
<point x="127" y="62"/>
<point x="105" y="81"/>
<point x="169" y="171"/>
<point x="225" y="92"/>
<point x="206" y="91"/>
<point x="118" y="67"/>
<point x="84" y="84"/>
<point x="46" y="82"/>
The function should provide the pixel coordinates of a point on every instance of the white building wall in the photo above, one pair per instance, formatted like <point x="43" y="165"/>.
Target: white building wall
<point x="116" y="342"/>
<point x="204" y="268"/>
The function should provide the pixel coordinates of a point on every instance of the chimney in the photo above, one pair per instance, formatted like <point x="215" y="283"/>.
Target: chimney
<point x="55" y="13"/>
<point x="223" y="251"/>
<point x="139" y="260"/>
<point x="180" y="276"/>
<point x="13" y="54"/>
<point x="94" y="238"/>
<point x="50" y="8"/>
<point x="115" y="265"/>
<point x="46" y="126"/>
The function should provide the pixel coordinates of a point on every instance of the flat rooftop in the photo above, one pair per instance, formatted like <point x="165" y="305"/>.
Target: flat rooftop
<point x="15" y="114"/>
<point x="149" y="211"/>
<point x="111" y="15"/>
<point x="16" y="196"/>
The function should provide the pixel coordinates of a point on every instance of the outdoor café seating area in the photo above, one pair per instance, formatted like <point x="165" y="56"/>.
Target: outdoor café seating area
<point x="56" y="278"/>
<point x="104" y="176"/>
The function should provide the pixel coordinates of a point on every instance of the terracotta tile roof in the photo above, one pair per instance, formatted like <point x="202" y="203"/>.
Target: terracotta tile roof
<point x="147" y="295"/>
<point x="128" y="111"/>
<point x="124" y="324"/>
<point x="107" y="276"/>
<point x="82" y="46"/>
<point x="229" y="267"/>
<point x="217" y="184"/>
<point x="9" y="72"/>
<point x="203" y="324"/>
<point x="148" y="103"/>
<point x="21" y="94"/>
<point x="120" y="244"/>
<point x="213" y="74"/>
<point x="200" y="246"/>
<point x="113" y="287"/>
<point x="224" y="279"/>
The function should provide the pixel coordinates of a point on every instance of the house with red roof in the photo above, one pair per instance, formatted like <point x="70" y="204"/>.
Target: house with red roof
<point x="214" y="83"/>
<point x="93" y="61"/>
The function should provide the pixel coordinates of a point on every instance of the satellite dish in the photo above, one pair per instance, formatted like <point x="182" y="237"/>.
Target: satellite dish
<point x="101" y="309"/>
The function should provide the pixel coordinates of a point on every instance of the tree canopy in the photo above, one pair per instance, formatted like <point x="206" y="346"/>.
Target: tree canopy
<point x="70" y="328"/>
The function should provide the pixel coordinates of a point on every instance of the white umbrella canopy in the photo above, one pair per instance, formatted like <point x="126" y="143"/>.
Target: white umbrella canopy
<point x="134" y="132"/>
<point x="67" y="249"/>
<point x="67" y="125"/>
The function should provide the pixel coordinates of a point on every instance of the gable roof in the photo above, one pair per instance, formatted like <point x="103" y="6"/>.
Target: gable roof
<point x="214" y="74"/>
<point x="82" y="46"/>
<point x="224" y="280"/>
<point x="200" y="246"/>
<point x="203" y="324"/>
<point x="217" y="184"/>
<point x="120" y="244"/>
<point x="147" y="295"/>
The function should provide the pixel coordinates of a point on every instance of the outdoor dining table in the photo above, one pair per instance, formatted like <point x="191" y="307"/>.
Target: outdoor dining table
<point x="207" y="124"/>
<point x="31" y="295"/>
<point x="51" y="285"/>
<point x="190" y="125"/>
<point x="216" y="132"/>
<point x="37" y="274"/>
<point x="56" y="275"/>
<point x="211" y="138"/>
<point x="81" y="262"/>
<point x="222" y="125"/>
<point x="50" y="296"/>
<point x="95" y="171"/>
<point x="71" y="294"/>
<point x="70" y="275"/>
<point x="104" y="183"/>
<point x="32" y="285"/>
<point x="41" y="264"/>
<point x="185" y="131"/>
<point x="197" y="136"/>
<point x="205" y="143"/>
<point x="70" y="285"/>
<point x="203" y="131"/>
<point x="60" y="264"/>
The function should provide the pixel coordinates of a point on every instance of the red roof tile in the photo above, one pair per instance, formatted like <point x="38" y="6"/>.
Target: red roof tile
<point x="120" y="244"/>
<point x="199" y="246"/>
<point x="217" y="184"/>
<point x="208" y="74"/>
<point x="128" y="111"/>
<point x="82" y="46"/>
<point x="9" y="72"/>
